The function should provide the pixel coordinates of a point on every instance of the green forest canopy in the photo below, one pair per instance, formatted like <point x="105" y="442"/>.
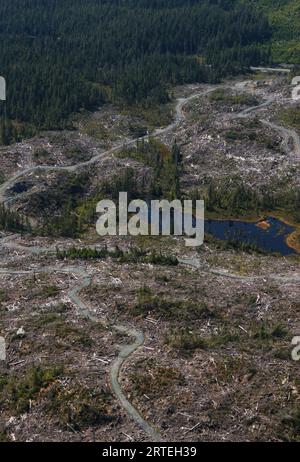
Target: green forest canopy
<point x="59" y="56"/>
<point x="284" y="18"/>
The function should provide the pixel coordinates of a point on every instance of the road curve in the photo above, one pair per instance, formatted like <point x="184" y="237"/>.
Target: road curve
<point x="287" y="135"/>
<point x="179" y="116"/>
<point x="115" y="370"/>
<point x="73" y="168"/>
<point x="247" y="112"/>
<point x="85" y="280"/>
<point x="197" y="264"/>
<point x="125" y="351"/>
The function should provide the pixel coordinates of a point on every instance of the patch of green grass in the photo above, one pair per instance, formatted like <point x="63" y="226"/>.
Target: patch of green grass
<point x="74" y="335"/>
<point x="48" y="292"/>
<point x="251" y="135"/>
<point x="233" y="135"/>
<point x="223" y="96"/>
<point x="4" y="438"/>
<point x="223" y="338"/>
<point x="133" y="255"/>
<point x="95" y="129"/>
<point x="75" y="153"/>
<point x="283" y="353"/>
<point x="3" y="382"/>
<point x="290" y="426"/>
<point x="3" y="296"/>
<point x="162" y="278"/>
<point x="154" y="380"/>
<point x="291" y="117"/>
<point x="169" y="309"/>
<point x="153" y="115"/>
<point x="61" y="308"/>
<point x="41" y="154"/>
<point x="55" y="323"/>
<point x="17" y="392"/>
<point x="80" y="407"/>
<point x="46" y="319"/>
<point x="266" y="333"/>
<point x="186" y="342"/>
<point x="156" y="258"/>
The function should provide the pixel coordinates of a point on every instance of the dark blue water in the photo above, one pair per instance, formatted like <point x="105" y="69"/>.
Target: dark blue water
<point x="271" y="240"/>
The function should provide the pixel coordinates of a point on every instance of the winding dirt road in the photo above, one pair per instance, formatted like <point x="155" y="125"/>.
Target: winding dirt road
<point x="125" y="351"/>
<point x="84" y="279"/>
<point x="197" y="264"/>
<point x="287" y="135"/>
<point x="247" y="112"/>
<point x="181" y="102"/>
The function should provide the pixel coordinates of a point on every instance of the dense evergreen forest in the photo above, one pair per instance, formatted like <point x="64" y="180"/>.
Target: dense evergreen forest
<point x="284" y="18"/>
<point x="59" y="56"/>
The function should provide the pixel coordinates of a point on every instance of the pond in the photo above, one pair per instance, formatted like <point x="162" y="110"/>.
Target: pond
<point x="268" y="235"/>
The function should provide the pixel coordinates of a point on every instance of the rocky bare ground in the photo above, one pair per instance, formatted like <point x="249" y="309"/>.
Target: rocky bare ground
<point x="215" y="364"/>
<point x="220" y="139"/>
<point x="220" y="136"/>
<point x="216" y="361"/>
